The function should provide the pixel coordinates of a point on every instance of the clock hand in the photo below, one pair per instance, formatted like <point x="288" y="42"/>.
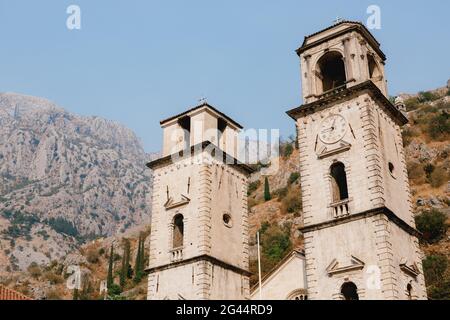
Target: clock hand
<point x="334" y="122"/>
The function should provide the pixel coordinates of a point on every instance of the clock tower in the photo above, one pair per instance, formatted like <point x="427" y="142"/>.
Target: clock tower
<point x="360" y="236"/>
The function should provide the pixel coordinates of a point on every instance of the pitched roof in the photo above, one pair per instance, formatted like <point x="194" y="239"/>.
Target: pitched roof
<point x="286" y="258"/>
<point x="354" y="25"/>
<point x="203" y="105"/>
<point x="9" y="294"/>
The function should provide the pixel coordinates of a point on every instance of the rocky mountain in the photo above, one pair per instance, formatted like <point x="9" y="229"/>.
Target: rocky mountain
<point x="64" y="180"/>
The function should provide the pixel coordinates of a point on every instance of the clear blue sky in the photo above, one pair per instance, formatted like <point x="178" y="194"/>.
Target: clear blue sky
<point x="141" y="61"/>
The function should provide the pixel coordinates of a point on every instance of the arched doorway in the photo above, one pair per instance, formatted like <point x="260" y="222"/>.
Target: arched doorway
<point x="349" y="291"/>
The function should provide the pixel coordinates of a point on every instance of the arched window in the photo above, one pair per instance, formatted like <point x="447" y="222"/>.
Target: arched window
<point x="350" y="291"/>
<point x="299" y="294"/>
<point x="331" y="71"/>
<point x="178" y="231"/>
<point x="374" y="70"/>
<point x="185" y="124"/>
<point x="338" y="182"/>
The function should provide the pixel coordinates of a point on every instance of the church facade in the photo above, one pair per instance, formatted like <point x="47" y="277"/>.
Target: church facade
<point x="359" y="231"/>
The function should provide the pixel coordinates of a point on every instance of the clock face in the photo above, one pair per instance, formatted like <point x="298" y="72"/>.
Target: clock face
<point x="333" y="129"/>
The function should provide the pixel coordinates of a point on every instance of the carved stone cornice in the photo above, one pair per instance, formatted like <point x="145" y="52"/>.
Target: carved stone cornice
<point x="363" y="215"/>
<point x="343" y="93"/>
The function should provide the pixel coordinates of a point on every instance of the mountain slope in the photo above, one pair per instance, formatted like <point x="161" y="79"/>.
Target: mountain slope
<point x="64" y="179"/>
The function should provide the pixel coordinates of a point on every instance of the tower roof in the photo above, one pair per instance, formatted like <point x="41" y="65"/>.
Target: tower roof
<point x="203" y="105"/>
<point x="9" y="294"/>
<point x="342" y="27"/>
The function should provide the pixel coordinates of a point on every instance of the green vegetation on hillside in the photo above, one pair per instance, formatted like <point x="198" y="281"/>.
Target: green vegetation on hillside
<point x="21" y="224"/>
<point x="275" y="244"/>
<point x="432" y="224"/>
<point x="63" y="226"/>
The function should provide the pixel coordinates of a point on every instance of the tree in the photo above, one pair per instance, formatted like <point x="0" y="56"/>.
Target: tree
<point x="75" y="295"/>
<point x="275" y="242"/>
<point x="267" y="196"/>
<point x="124" y="272"/>
<point x="138" y="263"/>
<point x="110" y="279"/>
<point x="142" y="259"/>
<point x="432" y="224"/>
<point x="434" y="267"/>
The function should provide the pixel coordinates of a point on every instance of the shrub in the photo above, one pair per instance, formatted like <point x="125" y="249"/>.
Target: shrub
<point x="281" y="193"/>
<point x="439" y="126"/>
<point x="264" y="226"/>
<point x="293" y="177"/>
<point x="427" y="96"/>
<point x="253" y="186"/>
<point x="287" y="150"/>
<point x="416" y="172"/>
<point x="434" y="267"/>
<point x="252" y="202"/>
<point x="92" y="255"/>
<point x="275" y="242"/>
<point x="53" y="295"/>
<point x="428" y="168"/>
<point x="432" y="224"/>
<point x="114" y="290"/>
<point x="292" y="203"/>
<point x="408" y="134"/>
<point x="53" y="278"/>
<point x="412" y="104"/>
<point x="440" y="291"/>
<point x="34" y="270"/>
<point x="438" y="177"/>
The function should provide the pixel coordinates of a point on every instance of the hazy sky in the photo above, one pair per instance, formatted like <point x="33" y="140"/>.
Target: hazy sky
<point x="138" y="62"/>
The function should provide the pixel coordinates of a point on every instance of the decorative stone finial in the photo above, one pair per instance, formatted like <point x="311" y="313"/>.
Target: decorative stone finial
<point x="400" y="104"/>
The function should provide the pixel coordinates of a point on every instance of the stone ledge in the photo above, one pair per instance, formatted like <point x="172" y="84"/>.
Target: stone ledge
<point x="201" y="258"/>
<point x="363" y="215"/>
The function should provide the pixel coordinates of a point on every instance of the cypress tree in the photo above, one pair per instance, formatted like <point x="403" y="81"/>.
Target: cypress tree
<point x="138" y="263"/>
<point x="267" y="196"/>
<point x="110" y="279"/>
<point x="142" y="259"/>
<point x="75" y="295"/>
<point x="125" y="263"/>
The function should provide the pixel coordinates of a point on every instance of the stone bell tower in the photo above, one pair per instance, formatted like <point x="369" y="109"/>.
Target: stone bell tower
<point x="199" y="241"/>
<point x="360" y="236"/>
